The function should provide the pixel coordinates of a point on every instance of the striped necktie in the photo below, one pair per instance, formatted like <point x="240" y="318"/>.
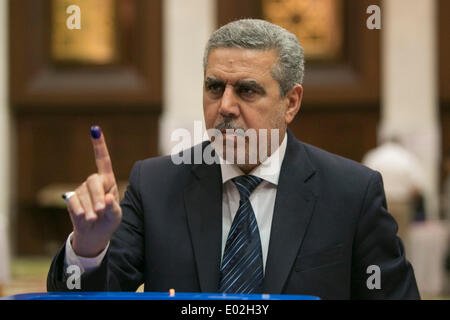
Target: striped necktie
<point x="242" y="263"/>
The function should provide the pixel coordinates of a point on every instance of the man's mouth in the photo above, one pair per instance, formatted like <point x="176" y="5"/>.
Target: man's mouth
<point x="233" y="132"/>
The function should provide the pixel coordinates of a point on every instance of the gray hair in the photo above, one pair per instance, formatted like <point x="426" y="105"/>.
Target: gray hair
<point x="262" y="35"/>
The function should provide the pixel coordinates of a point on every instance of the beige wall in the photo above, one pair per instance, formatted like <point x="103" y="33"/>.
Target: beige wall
<point x="187" y="27"/>
<point x="409" y="85"/>
<point x="4" y="147"/>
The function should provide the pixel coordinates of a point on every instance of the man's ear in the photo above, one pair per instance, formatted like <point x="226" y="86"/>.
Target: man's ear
<point x="294" y="100"/>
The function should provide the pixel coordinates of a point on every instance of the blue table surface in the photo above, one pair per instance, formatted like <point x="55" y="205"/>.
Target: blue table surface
<point x="152" y="296"/>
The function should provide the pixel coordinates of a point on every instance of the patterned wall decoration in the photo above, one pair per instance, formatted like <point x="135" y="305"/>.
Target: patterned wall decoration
<point x="318" y="24"/>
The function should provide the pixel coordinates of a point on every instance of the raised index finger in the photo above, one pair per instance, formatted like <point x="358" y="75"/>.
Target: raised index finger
<point x="102" y="158"/>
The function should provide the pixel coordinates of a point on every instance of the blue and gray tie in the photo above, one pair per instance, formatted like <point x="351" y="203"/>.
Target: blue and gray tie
<point x="242" y="262"/>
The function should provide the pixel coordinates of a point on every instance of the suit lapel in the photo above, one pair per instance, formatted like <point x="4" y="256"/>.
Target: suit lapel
<point x="203" y="202"/>
<point x="294" y="206"/>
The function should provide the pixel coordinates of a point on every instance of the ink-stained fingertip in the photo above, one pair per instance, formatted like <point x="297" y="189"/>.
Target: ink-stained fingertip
<point x="96" y="132"/>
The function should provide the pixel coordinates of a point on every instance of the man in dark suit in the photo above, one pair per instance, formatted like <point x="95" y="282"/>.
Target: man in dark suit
<point x="314" y="224"/>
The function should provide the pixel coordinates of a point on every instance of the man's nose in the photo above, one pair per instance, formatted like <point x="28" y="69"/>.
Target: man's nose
<point x="229" y="104"/>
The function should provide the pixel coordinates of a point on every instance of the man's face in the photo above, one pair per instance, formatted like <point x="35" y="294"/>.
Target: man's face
<point x="239" y="86"/>
<point x="239" y="90"/>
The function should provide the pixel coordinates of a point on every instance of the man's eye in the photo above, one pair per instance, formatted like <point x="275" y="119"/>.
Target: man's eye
<point x="214" y="88"/>
<point x="246" y="91"/>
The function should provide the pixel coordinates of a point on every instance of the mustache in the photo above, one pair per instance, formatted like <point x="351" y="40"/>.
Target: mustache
<point x="228" y="124"/>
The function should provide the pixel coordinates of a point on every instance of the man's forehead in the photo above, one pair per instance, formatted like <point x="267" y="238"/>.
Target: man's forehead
<point x="239" y="62"/>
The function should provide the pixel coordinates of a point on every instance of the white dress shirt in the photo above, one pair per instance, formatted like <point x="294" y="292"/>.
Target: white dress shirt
<point x="262" y="200"/>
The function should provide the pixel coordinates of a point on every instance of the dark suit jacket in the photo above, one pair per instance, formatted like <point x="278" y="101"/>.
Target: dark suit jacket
<point x="329" y="225"/>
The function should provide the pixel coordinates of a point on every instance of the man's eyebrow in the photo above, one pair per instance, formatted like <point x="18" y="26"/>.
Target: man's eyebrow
<point x="210" y="80"/>
<point x="252" y="84"/>
<point x="248" y="83"/>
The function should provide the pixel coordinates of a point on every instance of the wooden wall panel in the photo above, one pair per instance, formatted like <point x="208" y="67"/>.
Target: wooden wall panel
<point x="55" y="105"/>
<point x="349" y="133"/>
<point x="444" y="51"/>
<point x="444" y="76"/>
<point x="132" y="83"/>
<point x="354" y="79"/>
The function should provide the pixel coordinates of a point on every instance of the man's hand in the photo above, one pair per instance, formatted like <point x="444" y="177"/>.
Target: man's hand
<point x="94" y="207"/>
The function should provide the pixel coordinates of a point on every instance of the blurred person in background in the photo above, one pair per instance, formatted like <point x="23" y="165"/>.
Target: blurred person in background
<point x="404" y="183"/>
<point x="402" y="177"/>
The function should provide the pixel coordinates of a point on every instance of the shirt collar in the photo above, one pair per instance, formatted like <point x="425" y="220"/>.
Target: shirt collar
<point x="269" y="170"/>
